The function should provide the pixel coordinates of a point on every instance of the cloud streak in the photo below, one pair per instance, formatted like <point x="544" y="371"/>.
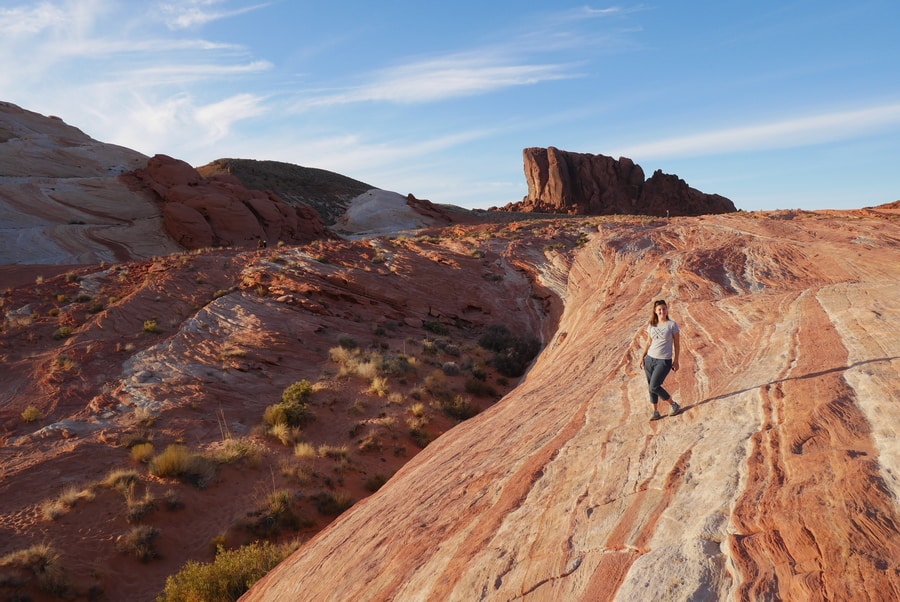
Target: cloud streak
<point x="804" y="131"/>
<point x="440" y="79"/>
<point x="196" y="13"/>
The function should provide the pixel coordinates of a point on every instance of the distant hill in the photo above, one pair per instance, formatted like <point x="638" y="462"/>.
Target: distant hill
<point x="327" y="192"/>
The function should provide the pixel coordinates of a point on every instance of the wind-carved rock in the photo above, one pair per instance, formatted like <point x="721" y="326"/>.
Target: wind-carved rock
<point x="585" y="184"/>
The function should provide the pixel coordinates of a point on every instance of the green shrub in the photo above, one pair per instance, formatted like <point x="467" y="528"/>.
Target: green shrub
<point x="297" y="392"/>
<point x="291" y="414"/>
<point x="512" y="353"/>
<point x="228" y="577"/>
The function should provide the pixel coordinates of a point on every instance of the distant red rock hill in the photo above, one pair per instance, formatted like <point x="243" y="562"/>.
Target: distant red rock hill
<point x="584" y="184"/>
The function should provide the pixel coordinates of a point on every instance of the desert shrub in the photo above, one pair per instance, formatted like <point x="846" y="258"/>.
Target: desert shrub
<point x="139" y="507"/>
<point x="342" y="355"/>
<point x="121" y="479"/>
<point x="370" y="442"/>
<point x="512" y="353"/>
<point x="291" y="414"/>
<point x="285" y="433"/>
<point x="479" y="388"/>
<point x="333" y="451"/>
<point x="71" y="495"/>
<point x="275" y="516"/>
<point x="379" y="386"/>
<point x="304" y="450"/>
<point x="436" y="327"/>
<point x="297" y="392"/>
<point x="179" y="462"/>
<point x="347" y="342"/>
<point x="459" y="407"/>
<point x="139" y="543"/>
<point x="173" y="502"/>
<point x="234" y="450"/>
<point x="418" y="432"/>
<point x="292" y="411"/>
<point x="63" y="332"/>
<point x="332" y="504"/>
<point x="375" y="482"/>
<point x="453" y="350"/>
<point x="450" y="368"/>
<point x="142" y="452"/>
<point x="152" y="326"/>
<point x="32" y="414"/>
<point x="42" y="560"/>
<point x="226" y="578"/>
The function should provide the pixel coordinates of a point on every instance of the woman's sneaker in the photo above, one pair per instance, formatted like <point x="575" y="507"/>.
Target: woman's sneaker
<point x="656" y="415"/>
<point x="675" y="408"/>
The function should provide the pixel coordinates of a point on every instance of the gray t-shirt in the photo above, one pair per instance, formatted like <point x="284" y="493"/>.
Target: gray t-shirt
<point x="662" y="339"/>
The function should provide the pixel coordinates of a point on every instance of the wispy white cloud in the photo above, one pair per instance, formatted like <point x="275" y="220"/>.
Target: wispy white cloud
<point x="442" y="78"/>
<point x="196" y="13"/>
<point x="803" y="131"/>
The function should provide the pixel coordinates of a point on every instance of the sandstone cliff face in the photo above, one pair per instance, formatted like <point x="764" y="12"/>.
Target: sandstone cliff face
<point x="780" y="480"/>
<point x="584" y="184"/>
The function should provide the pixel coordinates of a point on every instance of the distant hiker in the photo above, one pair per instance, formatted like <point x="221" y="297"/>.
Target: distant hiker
<point x="661" y="355"/>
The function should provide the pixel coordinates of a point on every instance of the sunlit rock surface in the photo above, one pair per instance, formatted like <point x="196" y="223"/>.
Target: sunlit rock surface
<point x="779" y="481"/>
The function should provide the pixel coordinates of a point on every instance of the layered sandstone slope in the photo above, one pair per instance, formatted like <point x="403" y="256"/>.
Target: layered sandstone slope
<point x="584" y="184"/>
<point x="192" y="348"/>
<point x="779" y="481"/>
<point x="61" y="200"/>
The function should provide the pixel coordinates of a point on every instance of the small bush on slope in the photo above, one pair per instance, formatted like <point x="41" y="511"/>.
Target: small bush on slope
<point x="228" y="577"/>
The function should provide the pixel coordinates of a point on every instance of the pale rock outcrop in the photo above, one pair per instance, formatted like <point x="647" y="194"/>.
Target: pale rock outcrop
<point x="61" y="200"/>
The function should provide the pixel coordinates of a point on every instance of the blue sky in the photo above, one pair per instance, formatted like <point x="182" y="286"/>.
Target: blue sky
<point x="774" y="104"/>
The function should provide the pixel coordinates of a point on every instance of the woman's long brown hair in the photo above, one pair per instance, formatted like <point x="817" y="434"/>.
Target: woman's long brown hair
<point x="654" y="320"/>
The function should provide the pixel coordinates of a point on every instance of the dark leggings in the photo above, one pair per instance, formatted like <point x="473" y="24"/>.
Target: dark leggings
<point x="657" y="370"/>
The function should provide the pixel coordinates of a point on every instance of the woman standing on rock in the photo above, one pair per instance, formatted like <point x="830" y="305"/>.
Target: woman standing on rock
<point x="661" y="355"/>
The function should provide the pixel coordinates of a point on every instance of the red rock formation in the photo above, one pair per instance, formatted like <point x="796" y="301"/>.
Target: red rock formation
<point x="779" y="481"/>
<point x="219" y="211"/>
<point x="585" y="184"/>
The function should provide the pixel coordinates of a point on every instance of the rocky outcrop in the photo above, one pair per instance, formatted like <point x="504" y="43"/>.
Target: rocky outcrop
<point x="329" y="193"/>
<point x="779" y="481"/>
<point x="202" y="212"/>
<point x="61" y="200"/>
<point x="584" y="184"/>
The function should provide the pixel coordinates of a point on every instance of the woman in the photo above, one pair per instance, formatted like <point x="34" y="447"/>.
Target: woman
<point x="661" y="355"/>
